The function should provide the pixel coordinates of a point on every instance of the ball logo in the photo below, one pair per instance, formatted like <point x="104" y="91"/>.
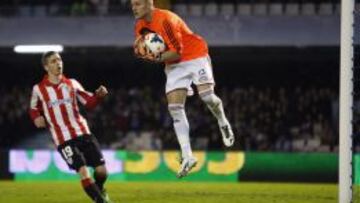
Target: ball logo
<point x="154" y="43"/>
<point x="155" y="39"/>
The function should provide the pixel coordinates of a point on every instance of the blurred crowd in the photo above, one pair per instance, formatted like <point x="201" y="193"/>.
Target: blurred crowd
<point x="263" y="118"/>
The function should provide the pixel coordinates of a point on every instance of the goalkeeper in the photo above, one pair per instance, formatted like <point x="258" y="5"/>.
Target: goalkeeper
<point x="187" y="61"/>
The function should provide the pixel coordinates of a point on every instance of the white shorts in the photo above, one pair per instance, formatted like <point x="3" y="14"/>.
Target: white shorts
<point x="182" y="75"/>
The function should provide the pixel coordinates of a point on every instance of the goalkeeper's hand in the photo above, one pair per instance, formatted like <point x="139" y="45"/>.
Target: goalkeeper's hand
<point x="141" y="51"/>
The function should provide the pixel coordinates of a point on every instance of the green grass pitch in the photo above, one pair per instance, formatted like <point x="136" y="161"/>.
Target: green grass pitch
<point x="171" y="192"/>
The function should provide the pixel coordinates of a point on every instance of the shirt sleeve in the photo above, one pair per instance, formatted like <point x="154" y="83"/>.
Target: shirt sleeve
<point x="86" y="98"/>
<point x="35" y="104"/>
<point x="171" y="27"/>
<point x="137" y="30"/>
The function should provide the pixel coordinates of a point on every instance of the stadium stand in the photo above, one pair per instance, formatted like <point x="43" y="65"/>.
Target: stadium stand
<point x="26" y="8"/>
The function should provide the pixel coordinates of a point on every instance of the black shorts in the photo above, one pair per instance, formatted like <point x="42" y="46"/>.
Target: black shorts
<point x="81" y="151"/>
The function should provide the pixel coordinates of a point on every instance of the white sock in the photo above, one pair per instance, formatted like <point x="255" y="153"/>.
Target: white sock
<point x="215" y="105"/>
<point x="181" y="126"/>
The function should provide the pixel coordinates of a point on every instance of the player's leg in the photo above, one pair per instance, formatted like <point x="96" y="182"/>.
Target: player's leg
<point x="176" y="106"/>
<point x="178" y="81"/>
<point x="204" y="81"/>
<point x="176" y="100"/>
<point x="76" y="161"/>
<point x="95" y="159"/>
<point x="91" y="189"/>
<point x="100" y="175"/>
<point x="214" y="103"/>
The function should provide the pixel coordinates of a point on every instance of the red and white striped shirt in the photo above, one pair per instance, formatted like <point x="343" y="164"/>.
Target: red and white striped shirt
<point x="58" y="104"/>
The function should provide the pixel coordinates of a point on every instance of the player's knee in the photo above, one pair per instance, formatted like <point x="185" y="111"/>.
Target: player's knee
<point x="210" y="99"/>
<point x="101" y="172"/>
<point x="83" y="172"/>
<point x="176" y="110"/>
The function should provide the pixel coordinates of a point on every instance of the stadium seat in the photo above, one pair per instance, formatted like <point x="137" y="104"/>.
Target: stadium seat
<point x="25" y="11"/>
<point x="180" y="9"/>
<point x="357" y="7"/>
<point x="308" y="9"/>
<point x="292" y="9"/>
<point x="243" y="9"/>
<point x="275" y="9"/>
<point x="325" y="9"/>
<point x="40" y="11"/>
<point x="195" y="9"/>
<point x="337" y="9"/>
<point x="227" y="9"/>
<point x="211" y="9"/>
<point x="53" y="9"/>
<point x="260" y="9"/>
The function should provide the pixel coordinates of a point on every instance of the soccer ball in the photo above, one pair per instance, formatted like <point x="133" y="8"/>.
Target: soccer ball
<point x="154" y="43"/>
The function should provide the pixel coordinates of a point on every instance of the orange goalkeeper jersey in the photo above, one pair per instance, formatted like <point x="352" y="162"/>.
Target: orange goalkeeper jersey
<point x="176" y="34"/>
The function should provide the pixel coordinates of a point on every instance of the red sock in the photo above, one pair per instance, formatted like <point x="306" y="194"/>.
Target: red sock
<point x="91" y="189"/>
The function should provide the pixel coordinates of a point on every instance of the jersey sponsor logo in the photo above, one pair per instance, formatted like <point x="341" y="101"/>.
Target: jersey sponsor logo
<point x="58" y="102"/>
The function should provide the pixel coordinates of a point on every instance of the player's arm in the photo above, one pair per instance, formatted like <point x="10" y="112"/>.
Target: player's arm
<point x="169" y="56"/>
<point x="88" y="99"/>
<point x="36" y="110"/>
<point x="173" y="40"/>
